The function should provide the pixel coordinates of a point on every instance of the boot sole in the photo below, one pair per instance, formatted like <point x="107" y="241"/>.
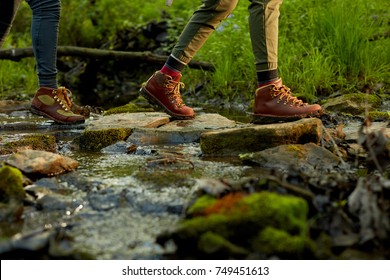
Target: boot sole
<point x="39" y="112"/>
<point x="257" y="119"/>
<point x="153" y="101"/>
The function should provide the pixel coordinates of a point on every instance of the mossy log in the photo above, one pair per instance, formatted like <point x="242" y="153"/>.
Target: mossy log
<point x="17" y="54"/>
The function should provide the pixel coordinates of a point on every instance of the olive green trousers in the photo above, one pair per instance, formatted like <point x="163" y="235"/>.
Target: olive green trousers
<point x="263" y="26"/>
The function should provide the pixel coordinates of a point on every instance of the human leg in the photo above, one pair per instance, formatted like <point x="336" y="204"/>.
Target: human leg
<point x="50" y="100"/>
<point x="44" y="34"/>
<point x="273" y="100"/>
<point x="163" y="88"/>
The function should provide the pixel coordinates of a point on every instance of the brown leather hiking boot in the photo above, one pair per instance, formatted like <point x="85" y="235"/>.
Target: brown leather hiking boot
<point x="56" y="105"/>
<point x="164" y="91"/>
<point x="274" y="103"/>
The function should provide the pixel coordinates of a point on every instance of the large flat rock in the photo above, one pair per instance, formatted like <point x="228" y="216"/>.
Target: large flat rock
<point x="129" y="121"/>
<point x="251" y="138"/>
<point x="180" y="131"/>
<point x="305" y="158"/>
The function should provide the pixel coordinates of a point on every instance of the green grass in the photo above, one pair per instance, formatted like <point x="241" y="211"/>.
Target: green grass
<point x="324" y="46"/>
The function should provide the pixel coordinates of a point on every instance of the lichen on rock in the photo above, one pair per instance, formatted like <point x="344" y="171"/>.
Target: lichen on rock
<point x="94" y="140"/>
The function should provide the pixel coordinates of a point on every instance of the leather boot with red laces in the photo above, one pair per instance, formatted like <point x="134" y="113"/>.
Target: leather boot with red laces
<point x="274" y="103"/>
<point x="164" y="91"/>
<point x="55" y="104"/>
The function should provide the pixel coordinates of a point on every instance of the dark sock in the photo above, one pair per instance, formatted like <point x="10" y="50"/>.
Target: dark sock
<point x="172" y="67"/>
<point x="265" y="77"/>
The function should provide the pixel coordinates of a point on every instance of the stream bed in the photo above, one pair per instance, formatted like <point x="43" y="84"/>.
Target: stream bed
<point x="122" y="198"/>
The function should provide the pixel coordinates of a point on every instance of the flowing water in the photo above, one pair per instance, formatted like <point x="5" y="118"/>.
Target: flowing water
<point x="116" y="204"/>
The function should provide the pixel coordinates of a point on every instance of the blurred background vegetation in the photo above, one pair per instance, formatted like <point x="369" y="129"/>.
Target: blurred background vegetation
<point x="325" y="47"/>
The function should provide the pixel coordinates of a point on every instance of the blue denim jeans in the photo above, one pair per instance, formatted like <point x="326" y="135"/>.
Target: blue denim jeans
<point x="44" y="34"/>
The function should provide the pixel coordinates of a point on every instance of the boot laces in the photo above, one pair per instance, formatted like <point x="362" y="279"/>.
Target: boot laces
<point x="173" y="88"/>
<point x="284" y="92"/>
<point x="64" y="97"/>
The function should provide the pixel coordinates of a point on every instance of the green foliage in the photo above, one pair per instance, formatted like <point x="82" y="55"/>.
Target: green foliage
<point x="324" y="46"/>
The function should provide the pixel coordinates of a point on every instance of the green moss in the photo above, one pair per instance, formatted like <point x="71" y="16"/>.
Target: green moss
<point x="353" y="103"/>
<point x="362" y="172"/>
<point x="11" y="184"/>
<point x="272" y="241"/>
<point x="379" y="116"/>
<point x="40" y="142"/>
<point x="211" y="243"/>
<point x="95" y="140"/>
<point x="362" y="98"/>
<point x="249" y="216"/>
<point x="128" y="108"/>
<point x="201" y="204"/>
<point x="162" y="176"/>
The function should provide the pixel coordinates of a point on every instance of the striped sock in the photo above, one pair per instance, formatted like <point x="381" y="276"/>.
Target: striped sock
<point x="172" y="67"/>
<point x="265" y="77"/>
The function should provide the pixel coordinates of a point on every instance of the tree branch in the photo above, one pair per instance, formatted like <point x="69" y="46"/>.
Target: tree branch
<point x="17" y="54"/>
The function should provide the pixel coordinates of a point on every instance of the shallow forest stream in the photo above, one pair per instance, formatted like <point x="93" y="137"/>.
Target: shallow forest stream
<point x="124" y="200"/>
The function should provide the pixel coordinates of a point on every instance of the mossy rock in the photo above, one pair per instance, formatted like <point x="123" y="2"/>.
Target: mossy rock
<point x="95" y="140"/>
<point x="39" y="142"/>
<point x="240" y="219"/>
<point x="272" y="241"/>
<point x="215" y="244"/>
<point x="11" y="184"/>
<point x="163" y="176"/>
<point x="200" y="205"/>
<point x="246" y="139"/>
<point x="127" y="108"/>
<point x="353" y="103"/>
<point x="379" y="116"/>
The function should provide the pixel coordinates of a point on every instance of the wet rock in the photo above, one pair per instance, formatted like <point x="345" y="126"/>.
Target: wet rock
<point x="180" y="131"/>
<point x="41" y="164"/>
<point x="48" y="183"/>
<point x="104" y="200"/>
<point x="305" y="158"/>
<point x="120" y="147"/>
<point x="354" y="103"/>
<point x="241" y="223"/>
<point x="351" y="130"/>
<point x="146" y="202"/>
<point x="110" y="129"/>
<point x="41" y="142"/>
<point x="21" y="245"/>
<point x="234" y="141"/>
<point x="54" y="201"/>
<point x="129" y="121"/>
<point x="74" y="180"/>
<point x="95" y="140"/>
<point x="128" y="108"/>
<point x="11" y="184"/>
<point x="8" y="106"/>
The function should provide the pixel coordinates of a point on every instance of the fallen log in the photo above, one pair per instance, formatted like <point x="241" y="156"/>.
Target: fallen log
<point x="16" y="54"/>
